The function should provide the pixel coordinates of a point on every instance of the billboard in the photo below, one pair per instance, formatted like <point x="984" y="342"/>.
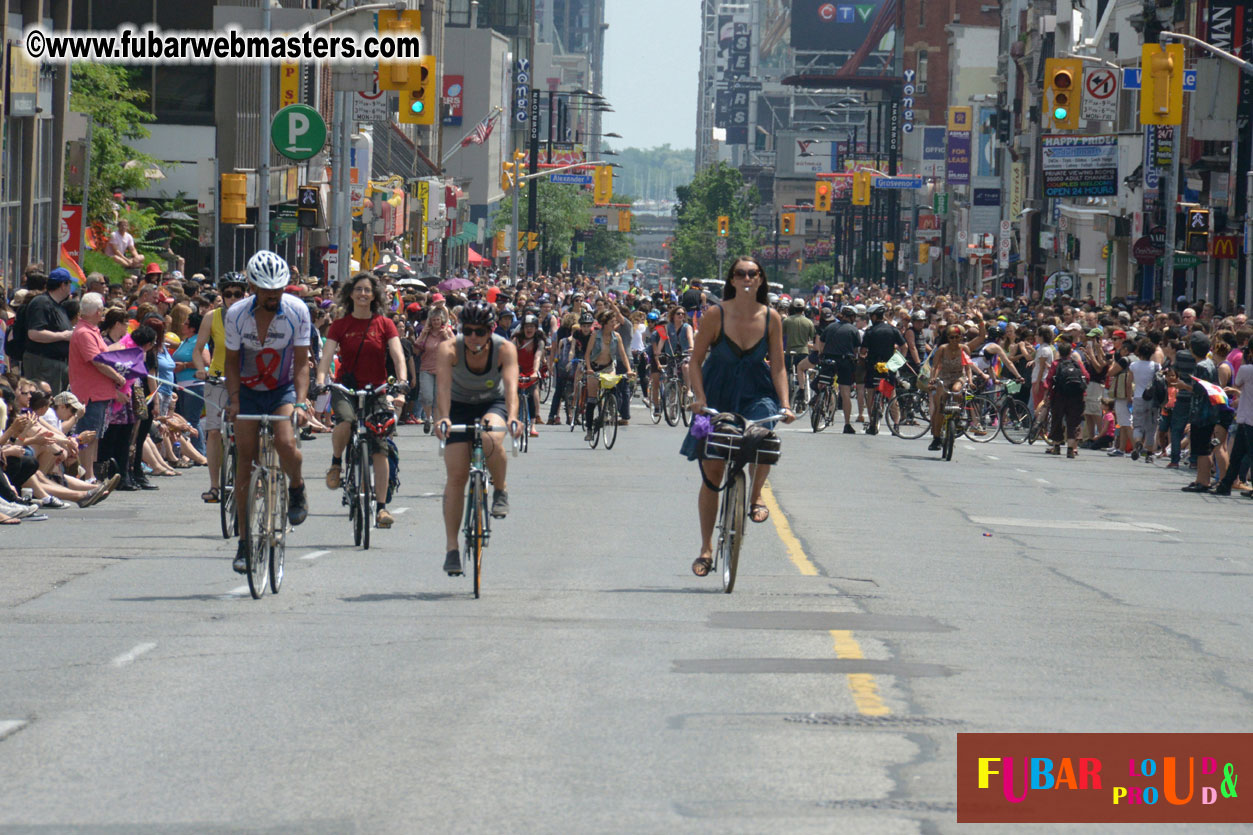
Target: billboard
<point x="934" y="150"/>
<point x="1080" y="166"/>
<point x="865" y="31"/>
<point x="454" y="88"/>
<point x="957" y="164"/>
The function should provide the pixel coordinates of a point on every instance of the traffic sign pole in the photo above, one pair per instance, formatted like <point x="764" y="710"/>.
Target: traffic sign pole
<point x="263" y="167"/>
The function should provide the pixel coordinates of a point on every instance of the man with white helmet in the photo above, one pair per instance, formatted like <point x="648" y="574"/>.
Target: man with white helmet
<point x="267" y="375"/>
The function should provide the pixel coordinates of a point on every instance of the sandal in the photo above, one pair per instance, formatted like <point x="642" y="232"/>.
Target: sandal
<point x="9" y="520"/>
<point x="702" y="566"/>
<point x="210" y="496"/>
<point x="752" y="513"/>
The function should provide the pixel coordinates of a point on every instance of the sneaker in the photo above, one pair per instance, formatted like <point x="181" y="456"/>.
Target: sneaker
<point x="1135" y="453"/>
<point x="1248" y="494"/>
<point x="1194" y="488"/>
<point x="500" y="504"/>
<point x="297" y="505"/>
<point x="384" y="519"/>
<point x="1053" y="451"/>
<point x="849" y="430"/>
<point x="554" y="421"/>
<point x="1222" y="490"/>
<point x="93" y="495"/>
<point x="334" y="478"/>
<point x="53" y="503"/>
<point x="426" y="427"/>
<point x="587" y="437"/>
<point x="936" y="444"/>
<point x="1173" y="465"/>
<point x="1117" y="453"/>
<point x="1072" y="453"/>
<point x="452" y="563"/>
<point x="241" y="557"/>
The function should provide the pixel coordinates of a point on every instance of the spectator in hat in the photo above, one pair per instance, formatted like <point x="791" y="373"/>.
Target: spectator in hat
<point x="121" y="247"/>
<point x="48" y="331"/>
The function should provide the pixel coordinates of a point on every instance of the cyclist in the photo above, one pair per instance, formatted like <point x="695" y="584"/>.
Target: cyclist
<point x="267" y="375"/>
<point x="798" y="332"/>
<point x="529" y="342"/>
<point x="599" y="357"/>
<point x="880" y="341"/>
<point x="477" y="380"/>
<point x="673" y="340"/>
<point x="840" y="342"/>
<point x="212" y="332"/>
<point x="363" y="339"/>
<point x="951" y="369"/>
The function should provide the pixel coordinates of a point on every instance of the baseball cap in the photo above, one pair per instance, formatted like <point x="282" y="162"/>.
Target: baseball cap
<point x="413" y="307"/>
<point x="162" y="298"/>
<point x="436" y="298"/>
<point x="1073" y="326"/>
<point x="1096" y="332"/>
<point x="59" y="276"/>
<point x="1120" y="334"/>
<point x="66" y="398"/>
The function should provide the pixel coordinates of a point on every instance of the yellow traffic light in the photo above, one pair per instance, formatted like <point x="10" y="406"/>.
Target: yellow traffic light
<point x="234" y="198"/>
<point x="787" y="224"/>
<point x="861" y="188"/>
<point x="822" y="196"/>
<point x="924" y="253"/>
<point x="508" y="175"/>
<point x="602" y="184"/>
<point x="418" y="103"/>
<point x="1161" y="84"/>
<point x="889" y="251"/>
<point x="398" y="75"/>
<point x="624" y="220"/>
<point x="1062" y="77"/>
<point x="724" y="226"/>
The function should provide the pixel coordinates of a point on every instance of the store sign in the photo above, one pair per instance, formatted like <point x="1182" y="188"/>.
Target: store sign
<point x="1080" y="166"/>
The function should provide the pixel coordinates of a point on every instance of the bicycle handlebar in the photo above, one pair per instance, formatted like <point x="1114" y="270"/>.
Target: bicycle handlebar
<point x="267" y="419"/>
<point x="747" y="422"/>
<point x="478" y="428"/>
<point x="367" y="391"/>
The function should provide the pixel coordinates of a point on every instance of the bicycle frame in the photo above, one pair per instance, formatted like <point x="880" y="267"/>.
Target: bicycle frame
<point x="359" y="494"/>
<point x="476" y="513"/>
<point x="268" y="489"/>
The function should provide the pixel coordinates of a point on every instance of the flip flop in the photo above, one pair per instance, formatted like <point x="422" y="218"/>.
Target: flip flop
<point x="9" y="520"/>
<point x="702" y="566"/>
<point x="752" y="513"/>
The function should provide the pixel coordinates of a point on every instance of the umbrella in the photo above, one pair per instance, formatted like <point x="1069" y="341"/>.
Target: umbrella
<point x="411" y="282"/>
<point x="454" y="285"/>
<point x="394" y="271"/>
<point x="176" y="216"/>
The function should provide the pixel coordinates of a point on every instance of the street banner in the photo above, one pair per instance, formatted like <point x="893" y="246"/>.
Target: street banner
<point x="1080" y="166"/>
<point x="957" y="163"/>
<point x="934" y="150"/>
<point x="987" y="144"/>
<point x="454" y="89"/>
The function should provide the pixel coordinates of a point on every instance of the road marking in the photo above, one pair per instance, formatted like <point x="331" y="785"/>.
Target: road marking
<point x="313" y="555"/>
<point x="1020" y="469"/>
<point x="399" y="510"/>
<point x="1043" y="480"/>
<point x="1072" y="524"/>
<point x="992" y="458"/>
<point x="136" y="651"/>
<point x="793" y="545"/>
<point x="865" y="690"/>
<point x="8" y="727"/>
<point x="239" y="592"/>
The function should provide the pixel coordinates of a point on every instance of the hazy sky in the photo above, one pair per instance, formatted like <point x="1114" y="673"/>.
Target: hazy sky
<point x="652" y="52"/>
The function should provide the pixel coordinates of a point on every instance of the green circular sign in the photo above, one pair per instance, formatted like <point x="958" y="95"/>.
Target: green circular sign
<point x="298" y="132"/>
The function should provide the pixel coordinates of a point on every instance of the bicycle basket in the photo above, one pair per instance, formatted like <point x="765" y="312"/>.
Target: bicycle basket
<point x="727" y="440"/>
<point x="608" y="381"/>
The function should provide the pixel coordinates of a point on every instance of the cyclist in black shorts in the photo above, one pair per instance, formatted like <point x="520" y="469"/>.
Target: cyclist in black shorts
<point x="840" y="343"/>
<point x="880" y="341"/>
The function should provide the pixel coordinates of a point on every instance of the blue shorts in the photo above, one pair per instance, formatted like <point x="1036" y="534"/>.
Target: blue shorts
<point x="265" y="402"/>
<point x="93" y="417"/>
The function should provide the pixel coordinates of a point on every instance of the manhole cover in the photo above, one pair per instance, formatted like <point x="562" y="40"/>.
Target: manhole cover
<point x="857" y="720"/>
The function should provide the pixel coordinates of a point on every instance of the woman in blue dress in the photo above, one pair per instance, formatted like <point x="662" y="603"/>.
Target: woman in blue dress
<point x="736" y="366"/>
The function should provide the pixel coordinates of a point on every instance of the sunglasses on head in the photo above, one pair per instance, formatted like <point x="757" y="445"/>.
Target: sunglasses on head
<point x="475" y="331"/>
<point x="749" y="273"/>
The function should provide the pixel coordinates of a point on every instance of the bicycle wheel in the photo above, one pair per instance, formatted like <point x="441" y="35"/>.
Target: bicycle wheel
<point x="226" y="495"/>
<point x="575" y="409"/>
<point x="524" y="415"/>
<point x="352" y="491"/>
<point x="907" y="416"/>
<point x="258" y="533"/>
<point x="685" y="405"/>
<point x="734" y="512"/>
<point x="654" y="412"/>
<point x="476" y="533"/>
<point x="545" y="388"/>
<point x="982" y="419"/>
<point x="278" y="549"/>
<point x="609" y="407"/>
<point x="1015" y="419"/>
<point x="670" y="402"/>
<point x="596" y="424"/>
<point x="950" y="439"/>
<point x="876" y="407"/>
<point x="819" y="410"/>
<point x="365" y="494"/>
<point x="797" y="399"/>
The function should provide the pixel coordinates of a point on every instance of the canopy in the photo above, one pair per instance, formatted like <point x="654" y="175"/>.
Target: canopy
<point x="474" y="257"/>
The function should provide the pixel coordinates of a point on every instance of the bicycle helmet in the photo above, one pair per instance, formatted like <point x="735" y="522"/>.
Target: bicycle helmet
<point x="530" y="319"/>
<point x="848" y="310"/>
<point x="875" y="308"/>
<point x="919" y="316"/>
<point x="268" y="271"/>
<point x="478" y="313"/>
<point x="653" y="316"/>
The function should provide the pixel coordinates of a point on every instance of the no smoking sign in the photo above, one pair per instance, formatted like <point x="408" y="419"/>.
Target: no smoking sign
<point x="1100" y="94"/>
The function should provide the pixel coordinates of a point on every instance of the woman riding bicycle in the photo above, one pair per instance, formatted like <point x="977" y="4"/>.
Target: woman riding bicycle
<point x="728" y="377"/>
<point x="603" y="350"/>
<point x="363" y="339"/>
<point x="951" y="371"/>
<point x="529" y="341"/>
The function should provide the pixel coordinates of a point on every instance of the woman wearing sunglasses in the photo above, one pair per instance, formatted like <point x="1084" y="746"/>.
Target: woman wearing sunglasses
<point x="213" y="333"/>
<point x="729" y="377"/>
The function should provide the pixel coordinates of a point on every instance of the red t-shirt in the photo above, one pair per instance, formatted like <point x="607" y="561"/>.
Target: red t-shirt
<point x="368" y="361"/>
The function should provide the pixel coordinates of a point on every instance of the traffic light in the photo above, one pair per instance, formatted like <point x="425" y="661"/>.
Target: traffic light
<point x="398" y="75"/>
<point x="724" y="226"/>
<point x="234" y="198"/>
<point x="822" y="196"/>
<point x="1161" y="84"/>
<point x="417" y="103"/>
<point x="1197" y="239"/>
<point x="1062" y="77"/>
<point x="624" y="220"/>
<point x="308" y="205"/>
<point x="787" y="224"/>
<point x="602" y="184"/>
<point x="508" y="175"/>
<point x="861" y="188"/>
<point x="889" y="251"/>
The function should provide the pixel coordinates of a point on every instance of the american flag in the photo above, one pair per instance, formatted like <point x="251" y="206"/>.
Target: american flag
<point x="482" y="130"/>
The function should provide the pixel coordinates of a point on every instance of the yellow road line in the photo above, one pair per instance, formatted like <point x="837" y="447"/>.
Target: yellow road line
<point x="862" y="685"/>
<point x="793" y="545"/>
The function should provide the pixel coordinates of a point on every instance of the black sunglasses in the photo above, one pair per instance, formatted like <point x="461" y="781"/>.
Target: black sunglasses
<point x="232" y="294"/>
<point x="745" y="273"/>
<point x="475" y="331"/>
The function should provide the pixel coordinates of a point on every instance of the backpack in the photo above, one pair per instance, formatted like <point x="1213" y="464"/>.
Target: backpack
<point x="15" y="337"/>
<point x="1069" y="377"/>
<point x="1155" y="392"/>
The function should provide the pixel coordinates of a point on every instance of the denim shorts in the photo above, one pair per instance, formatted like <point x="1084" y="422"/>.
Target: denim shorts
<point x="93" y="417"/>
<point x="265" y="402"/>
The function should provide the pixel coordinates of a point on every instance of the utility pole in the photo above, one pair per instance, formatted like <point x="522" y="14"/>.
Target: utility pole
<point x="1172" y="192"/>
<point x="532" y="194"/>
<point x="263" y="145"/>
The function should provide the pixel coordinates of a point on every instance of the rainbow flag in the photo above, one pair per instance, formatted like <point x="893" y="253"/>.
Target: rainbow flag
<point x="1216" y="395"/>
<point x="65" y="261"/>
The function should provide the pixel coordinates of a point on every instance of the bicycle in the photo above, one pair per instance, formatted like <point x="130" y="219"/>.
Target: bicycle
<point x="525" y="384"/>
<point x="822" y="403"/>
<point x="266" y="515"/>
<point x="801" y="391"/>
<point x="478" y="521"/>
<point x="545" y="384"/>
<point x="1013" y="417"/>
<point x="1041" y="420"/>
<point x="675" y="398"/>
<point x="908" y="414"/>
<point x="724" y="443"/>
<point x="358" y="469"/>
<point x="950" y="424"/>
<point x="226" y="472"/>
<point x="605" y="411"/>
<point x="578" y="393"/>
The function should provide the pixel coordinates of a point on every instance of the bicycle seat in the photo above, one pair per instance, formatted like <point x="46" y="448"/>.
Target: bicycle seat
<point x="608" y="381"/>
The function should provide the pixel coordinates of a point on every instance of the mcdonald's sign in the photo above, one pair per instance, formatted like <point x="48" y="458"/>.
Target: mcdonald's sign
<point x="1226" y="246"/>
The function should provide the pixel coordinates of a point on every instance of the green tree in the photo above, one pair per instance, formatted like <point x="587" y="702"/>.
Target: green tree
<point x="561" y="210"/>
<point x="607" y="250"/>
<point x="718" y="190"/>
<point x="104" y="92"/>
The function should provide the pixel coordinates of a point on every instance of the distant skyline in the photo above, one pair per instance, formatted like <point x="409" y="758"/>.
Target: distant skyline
<point x="652" y="53"/>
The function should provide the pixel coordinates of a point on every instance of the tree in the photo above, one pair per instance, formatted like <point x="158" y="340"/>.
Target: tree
<point x="718" y="190"/>
<point x="606" y="250"/>
<point x="104" y="92"/>
<point x="561" y="210"/>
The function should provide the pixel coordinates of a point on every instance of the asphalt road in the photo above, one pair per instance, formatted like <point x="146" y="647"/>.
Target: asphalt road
<point x="892" y="601"/>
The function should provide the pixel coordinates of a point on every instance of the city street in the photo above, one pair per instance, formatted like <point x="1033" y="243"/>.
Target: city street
<point x="892" y="601"/>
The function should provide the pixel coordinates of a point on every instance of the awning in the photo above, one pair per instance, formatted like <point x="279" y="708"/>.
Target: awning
<point x="473" y="257"/>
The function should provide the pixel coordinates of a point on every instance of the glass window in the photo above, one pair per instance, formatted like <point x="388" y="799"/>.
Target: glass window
<point x="184" y="94"/>
<point x="922" y="71"/>
<point x="110" y="14"/>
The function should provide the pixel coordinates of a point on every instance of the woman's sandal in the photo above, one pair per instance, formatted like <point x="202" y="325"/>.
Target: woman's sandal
<point x="9" y="520"/>
<point x="752" y="513"/>
<point x="702" y="566"/>
<point x="211" y="496"/>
